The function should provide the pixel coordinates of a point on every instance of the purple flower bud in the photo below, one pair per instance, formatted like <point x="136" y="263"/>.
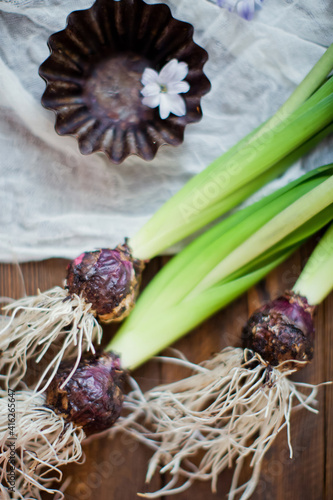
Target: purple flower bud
<point x="245" y="9"/>
<point x="92" y="398"/>
<point x="282" y="330"/>
<point x="108" y="279"/>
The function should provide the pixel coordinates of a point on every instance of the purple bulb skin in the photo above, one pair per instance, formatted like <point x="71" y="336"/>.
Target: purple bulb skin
<point x="108" y="279"/>
<point x="282" y="331"/>
<point x="92" y="399"/>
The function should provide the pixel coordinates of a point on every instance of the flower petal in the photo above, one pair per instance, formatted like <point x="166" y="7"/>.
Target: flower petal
<point x="151" y="89"/>
<point x="168" y="72"/>
<point x="149" y="76"/>
<point x="176" y="105"/>
<point x="182" y="71"/>
<point x="164" y="106"/>
<point x="152" y="101"/>
<point x="178" y="88"/>
<point x="173" y="71"/>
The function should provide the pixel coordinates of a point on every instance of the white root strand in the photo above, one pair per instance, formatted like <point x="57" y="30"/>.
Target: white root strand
<point x="226" y="411"/>
<point x="44" y="442"/>
<point x="48" y="321"/>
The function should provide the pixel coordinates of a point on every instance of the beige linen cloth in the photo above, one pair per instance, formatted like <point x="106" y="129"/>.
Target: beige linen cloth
<point x="56" y="202"/>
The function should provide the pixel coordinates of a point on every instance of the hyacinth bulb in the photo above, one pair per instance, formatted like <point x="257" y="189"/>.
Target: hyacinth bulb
<point x="101" y="285"/>
<point x="92" y="398"/>
<point x="108" y="279"/>
<point x="282" y="330"/>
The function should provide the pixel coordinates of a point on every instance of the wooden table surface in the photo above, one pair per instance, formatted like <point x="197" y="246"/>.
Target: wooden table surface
<point x="115" y="469"/>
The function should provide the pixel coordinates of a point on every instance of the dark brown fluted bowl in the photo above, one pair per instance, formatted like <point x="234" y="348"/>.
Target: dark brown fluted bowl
<point x="93" y="77"/>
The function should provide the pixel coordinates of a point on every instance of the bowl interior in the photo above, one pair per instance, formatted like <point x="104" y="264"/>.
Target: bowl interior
<point x="94" y="73"/>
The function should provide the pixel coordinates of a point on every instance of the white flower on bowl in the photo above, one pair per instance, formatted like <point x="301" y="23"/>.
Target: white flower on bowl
<point x="162" y="89"/>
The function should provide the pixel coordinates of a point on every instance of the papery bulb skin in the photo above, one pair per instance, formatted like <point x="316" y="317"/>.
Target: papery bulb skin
<point x="108" y="279"/>
<point x="282" y="330"/>
<point x="92" y="398"/>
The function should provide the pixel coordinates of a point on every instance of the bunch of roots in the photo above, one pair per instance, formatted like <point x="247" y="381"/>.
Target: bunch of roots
<point x="231" y="408"/>
<point x="50" y="320"/>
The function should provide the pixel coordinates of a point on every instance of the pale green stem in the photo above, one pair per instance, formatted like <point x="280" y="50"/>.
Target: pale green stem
<point x="314" y="79"/>
<point x="280" y="226"/>
<point x="316" y="279"/>
<point x="150" y="329"/>
<point x="180" y="276"/>
<point x="249" y="163"/>
<point x="146" y="339"/>
<point x="140" y="340"/>
<point x="192" y="198"/>
<point x="201" y="264"/>
<point x="297" y="237"/>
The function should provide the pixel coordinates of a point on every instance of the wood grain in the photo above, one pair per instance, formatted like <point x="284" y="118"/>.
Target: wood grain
<point x="115" y="470"/>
